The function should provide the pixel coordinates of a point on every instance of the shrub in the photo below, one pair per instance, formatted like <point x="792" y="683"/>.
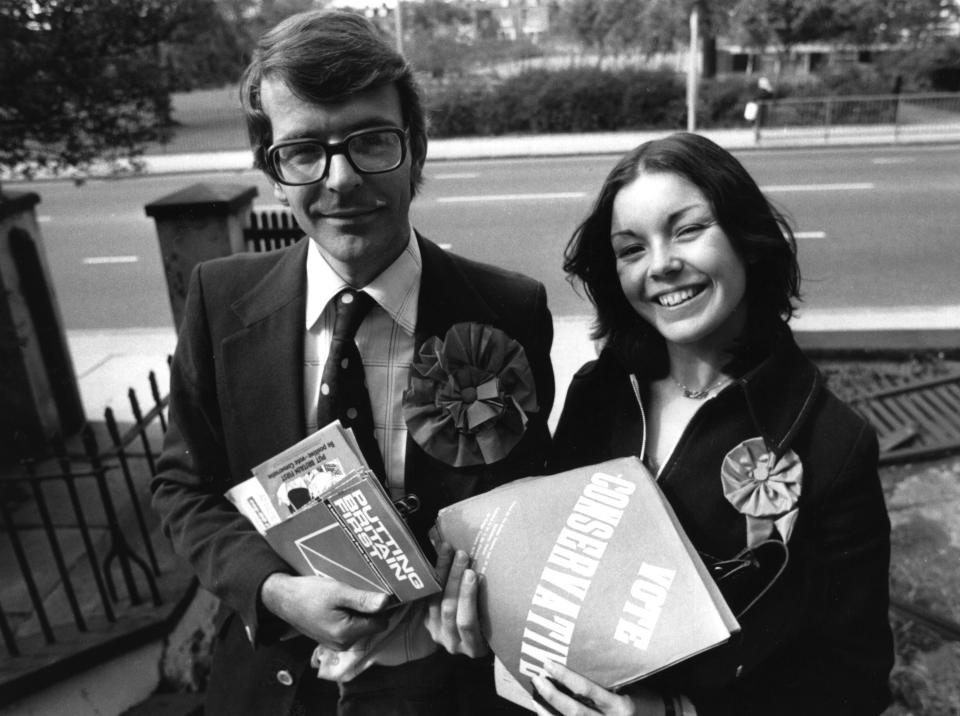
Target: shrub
<point x="653" y="100"/>
<point x="934" y="68"/>
<point x="723" y="99"/>
<point x="580" y="100"/>
<point x="939" y="66"/>
<point x="840" y="81"/>
<point x="456" y="113"/>
<point x="516" y="102"/>
<point x="595" y="100"/>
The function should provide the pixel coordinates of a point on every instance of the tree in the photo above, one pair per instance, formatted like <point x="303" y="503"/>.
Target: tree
<point x="585" y="22"/>
<point x="647" y="26"/>
<point x="786" y="23"/>
<point x="84" y="80"/>
<point x="662" y="26"/>
<point x="436" y="37"/>
<point x="622" y="25"/>
<point x="783" y="23"/>
<point x="899" y="22"/>
<point x="209" y="48"/>
<point x="249" y="19"/>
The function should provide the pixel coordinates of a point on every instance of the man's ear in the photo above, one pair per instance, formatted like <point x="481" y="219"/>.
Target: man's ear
<point x="279" y="195"/>
<point x="416" y="169"/>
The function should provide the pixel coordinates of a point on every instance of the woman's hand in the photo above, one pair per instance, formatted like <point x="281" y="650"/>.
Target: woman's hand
<point x="452" y="617"/>
<point x="567" y="693"/>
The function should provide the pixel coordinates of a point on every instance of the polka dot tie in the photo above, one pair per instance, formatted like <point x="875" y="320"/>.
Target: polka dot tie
<point x="343" y="390"/>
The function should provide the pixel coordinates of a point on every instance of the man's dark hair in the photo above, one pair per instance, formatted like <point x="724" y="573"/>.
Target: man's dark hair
<point x="757" y="231"/>
<point x="328" y="56"/>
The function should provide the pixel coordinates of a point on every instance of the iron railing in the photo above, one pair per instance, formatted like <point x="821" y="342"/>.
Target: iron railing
<point x="892" y="117"/>
<point x="218" y="124"/>
<point x="918" y="420"/>
<point x="269" y="230"/>
<point x="82" y="564"/>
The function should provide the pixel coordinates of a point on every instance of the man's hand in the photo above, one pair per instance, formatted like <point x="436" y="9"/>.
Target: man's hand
<point x="452" y="615"/>
<point x="331" y="613"/>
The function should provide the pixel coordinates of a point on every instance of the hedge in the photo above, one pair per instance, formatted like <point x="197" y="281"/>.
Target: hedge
<point x="581" y="100"/>
<point x="595" y="100"/>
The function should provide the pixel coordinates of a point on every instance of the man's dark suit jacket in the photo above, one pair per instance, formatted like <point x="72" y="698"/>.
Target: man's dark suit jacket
<point x="236" y="399"/>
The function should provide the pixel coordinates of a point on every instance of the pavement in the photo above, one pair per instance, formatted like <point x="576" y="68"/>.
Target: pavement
<point x="110" y="362"/>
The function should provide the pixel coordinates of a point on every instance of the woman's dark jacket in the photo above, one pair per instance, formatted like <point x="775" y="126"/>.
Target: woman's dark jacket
<point x="818" y="640"/>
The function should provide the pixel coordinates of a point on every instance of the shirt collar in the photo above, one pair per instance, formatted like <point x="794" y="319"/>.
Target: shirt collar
<point x="396" y="289"/>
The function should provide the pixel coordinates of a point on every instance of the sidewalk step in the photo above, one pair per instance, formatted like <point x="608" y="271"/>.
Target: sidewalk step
<point x="169" y="705"/>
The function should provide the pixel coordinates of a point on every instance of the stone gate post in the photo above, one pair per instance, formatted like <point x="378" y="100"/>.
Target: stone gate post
<point x="201" y="222"/>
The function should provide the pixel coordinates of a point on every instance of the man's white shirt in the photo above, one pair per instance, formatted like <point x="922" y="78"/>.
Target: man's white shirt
<point x="385" y="340"/>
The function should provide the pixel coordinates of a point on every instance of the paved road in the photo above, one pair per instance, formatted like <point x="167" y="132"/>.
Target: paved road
<point x="877" y="226"/>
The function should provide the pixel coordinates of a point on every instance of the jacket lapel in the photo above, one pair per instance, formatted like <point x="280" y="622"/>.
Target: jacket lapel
<point x="263" y="361"/>
<point x="259" y="366"/>
<point x="447" y="296"/>
<point x="781" y="392"/>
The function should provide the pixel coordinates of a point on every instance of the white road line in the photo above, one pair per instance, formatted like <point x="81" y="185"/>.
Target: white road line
<point x="893" y="160"/>
<point x="855" y="186"/>
<point x="44" y="219"/>
<point x="462" y="175"/>
<point x="810" y="235"/>
<point x="511" y="197"/>
<point x="96" y="260"/>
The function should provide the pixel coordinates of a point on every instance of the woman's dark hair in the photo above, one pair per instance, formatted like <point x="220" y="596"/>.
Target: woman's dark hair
<point x="758" y="232"/>
<point x="328" y="56"/>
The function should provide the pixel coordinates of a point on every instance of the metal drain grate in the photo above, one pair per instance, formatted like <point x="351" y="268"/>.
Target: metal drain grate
<point x="915" y="421"/>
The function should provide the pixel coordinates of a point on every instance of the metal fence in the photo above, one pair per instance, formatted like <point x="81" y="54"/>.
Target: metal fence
<point x="82" y="565"/>
<point x="213" y="121"/>
<point x="269" y="230"/>
<point x="860" y="117"/>
<point x="918" y="420"/>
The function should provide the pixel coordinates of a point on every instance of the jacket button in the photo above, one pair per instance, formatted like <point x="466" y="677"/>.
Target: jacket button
<point x="284" y="677"/>
<point x="739" y="671"/>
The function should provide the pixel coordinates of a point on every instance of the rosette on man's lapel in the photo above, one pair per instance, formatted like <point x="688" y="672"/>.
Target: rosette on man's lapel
<point x="469" y="395"/>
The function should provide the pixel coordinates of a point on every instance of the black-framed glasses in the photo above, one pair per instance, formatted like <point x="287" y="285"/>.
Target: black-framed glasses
<point x="296" y="162"/>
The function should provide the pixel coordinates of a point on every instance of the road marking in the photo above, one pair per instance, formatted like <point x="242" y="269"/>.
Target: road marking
<point x="445" y="247"/>
<point x="810" y="235"/>
<point x="893" y="160"/>
<point x="96" y="260"/>
<point x="44" y="219"/>
<point x="855" y="186"/>
<point x="461" y="175"/>
<point x="512" y="197"/>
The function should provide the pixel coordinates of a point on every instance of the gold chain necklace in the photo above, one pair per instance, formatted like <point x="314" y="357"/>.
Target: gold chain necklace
<point x="700" y="394"/>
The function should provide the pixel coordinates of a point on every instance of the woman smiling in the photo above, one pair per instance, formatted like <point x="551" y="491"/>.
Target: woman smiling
<point x="694" y="277"/>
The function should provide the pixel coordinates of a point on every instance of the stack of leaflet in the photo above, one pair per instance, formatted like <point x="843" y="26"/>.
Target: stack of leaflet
<point x="326" y="513"/>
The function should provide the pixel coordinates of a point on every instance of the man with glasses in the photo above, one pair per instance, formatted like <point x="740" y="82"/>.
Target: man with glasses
<point x="337" y="124"/>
